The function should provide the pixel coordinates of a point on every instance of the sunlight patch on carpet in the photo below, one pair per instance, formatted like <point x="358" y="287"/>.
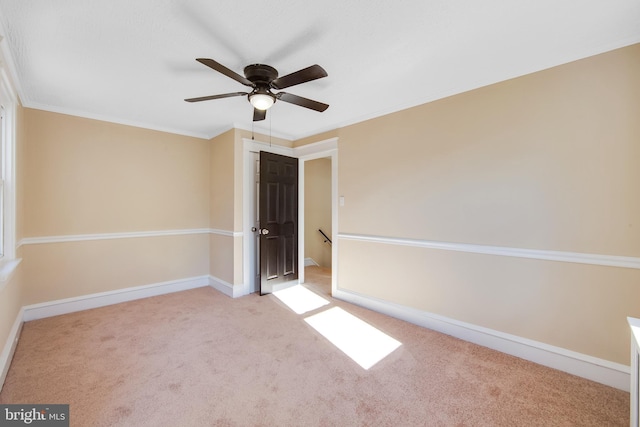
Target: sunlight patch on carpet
<point x="360" y="341"/>
<point x="300" y="299"/>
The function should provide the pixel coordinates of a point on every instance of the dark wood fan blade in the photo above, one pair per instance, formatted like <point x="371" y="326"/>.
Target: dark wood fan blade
<point x="259" y="115"/>
<point x="303" y="102"/>
<point x="224" y="70"/>
<point x="305" y="75"/>
<point x="207" y="98"/>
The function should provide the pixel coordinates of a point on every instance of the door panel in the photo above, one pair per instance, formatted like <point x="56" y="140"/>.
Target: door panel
<point x="278" y="220"/>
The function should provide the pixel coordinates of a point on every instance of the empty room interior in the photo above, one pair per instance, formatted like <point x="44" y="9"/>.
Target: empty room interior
<point x="459" y="182"/>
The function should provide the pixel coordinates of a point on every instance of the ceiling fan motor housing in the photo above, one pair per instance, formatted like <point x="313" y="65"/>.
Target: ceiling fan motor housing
<point x="260" y="74"/>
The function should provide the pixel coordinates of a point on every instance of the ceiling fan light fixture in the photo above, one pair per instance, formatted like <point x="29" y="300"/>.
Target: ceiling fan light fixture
<point x="261" y="101"/>
<point x="262" y="78"/>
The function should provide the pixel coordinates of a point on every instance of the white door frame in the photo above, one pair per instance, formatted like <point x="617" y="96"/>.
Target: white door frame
<point x="322" y="149"/>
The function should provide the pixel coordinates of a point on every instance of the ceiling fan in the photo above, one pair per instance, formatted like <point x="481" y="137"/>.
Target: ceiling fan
<point x="262" y="78"/>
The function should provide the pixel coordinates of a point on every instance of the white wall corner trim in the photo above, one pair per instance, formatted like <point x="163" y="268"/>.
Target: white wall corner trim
<point x="575" y="257"/>
<point x="225" y="287"/>
<point x="582" y="365"/>
<point x="86" y="302"/>
<point x="10" y="347"/>
<point x="124" y="235"/>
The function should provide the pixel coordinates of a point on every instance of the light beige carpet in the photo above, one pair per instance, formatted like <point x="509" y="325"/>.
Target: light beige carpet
<point x="199" y="358"/>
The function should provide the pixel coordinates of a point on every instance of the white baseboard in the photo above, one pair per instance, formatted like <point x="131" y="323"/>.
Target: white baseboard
<point x="585" y="366"/>
<point x="10" y="347"/>
<point x="310" y="261"/>
<point x="225" y="287"/>
<point x="592" y="368"/>
<point x="85" y="302"/>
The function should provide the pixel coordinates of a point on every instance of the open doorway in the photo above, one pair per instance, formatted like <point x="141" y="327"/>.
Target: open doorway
<point x="318" y="224"/>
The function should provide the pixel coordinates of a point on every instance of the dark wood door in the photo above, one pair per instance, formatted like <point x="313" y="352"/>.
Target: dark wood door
<point x="278" y="220"/>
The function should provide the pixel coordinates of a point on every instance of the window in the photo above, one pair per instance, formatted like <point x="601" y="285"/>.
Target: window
<point x="2" y="144"/>
<point x="8" y="110"/>
<point x="3" y="138"/>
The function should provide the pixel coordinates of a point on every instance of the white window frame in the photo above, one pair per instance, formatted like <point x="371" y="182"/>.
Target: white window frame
<point x="9" y="104"/>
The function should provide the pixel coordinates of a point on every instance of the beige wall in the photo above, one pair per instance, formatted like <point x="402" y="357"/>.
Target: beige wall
<point x="65" y="270"/>
<point x="222" y="215"/>
<point x="547" y="161"/>
<point x="85" y="176"/>
<point x="317" y="210"/>
<point x="11" y="300"/>
<point x="222" y="212"/>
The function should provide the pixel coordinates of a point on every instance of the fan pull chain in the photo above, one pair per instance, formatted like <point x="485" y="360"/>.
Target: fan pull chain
<point x="270" y="117"/>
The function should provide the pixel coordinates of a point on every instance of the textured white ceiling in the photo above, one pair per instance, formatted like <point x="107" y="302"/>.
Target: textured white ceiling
<point x="134" y="62"/>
